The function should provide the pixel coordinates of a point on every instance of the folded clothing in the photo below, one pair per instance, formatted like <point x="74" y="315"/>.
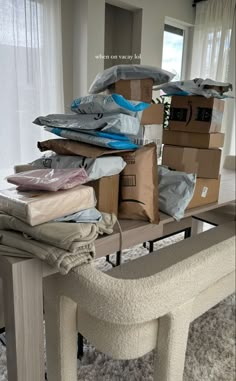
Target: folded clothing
<point x="95" y="140"/>
<point x="62" y="245"/>
<point x="112" y="123"/>
<point x="95" y="168"/>
<point x="113" y="74"/>
<point x="17" y="245"/>
<point x="38" y="207"/>
<point x="65" y="236"/>
<point x="49" y="179"/>
<point x="103" y="104"/>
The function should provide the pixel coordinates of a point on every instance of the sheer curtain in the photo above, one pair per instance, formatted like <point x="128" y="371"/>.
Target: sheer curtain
<point x="213" y="54"/>
<point x="30" y="74"/>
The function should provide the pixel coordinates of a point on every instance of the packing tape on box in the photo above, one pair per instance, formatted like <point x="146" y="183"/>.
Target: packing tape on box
<point x="135" y="87"/>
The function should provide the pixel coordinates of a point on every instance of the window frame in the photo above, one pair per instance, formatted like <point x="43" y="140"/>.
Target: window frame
<point x="186" y="37"/>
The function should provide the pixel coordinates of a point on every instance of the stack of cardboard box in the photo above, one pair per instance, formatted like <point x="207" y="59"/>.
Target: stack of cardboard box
<point x="192" y="143"/>
<point x="152" y="117"/>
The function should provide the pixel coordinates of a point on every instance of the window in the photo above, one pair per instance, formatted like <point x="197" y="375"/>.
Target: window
<point x="174" y="49"/>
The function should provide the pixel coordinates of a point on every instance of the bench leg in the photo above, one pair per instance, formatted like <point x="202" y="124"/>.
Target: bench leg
<point x="171" y="344"/>
<point x="61" y="335"/>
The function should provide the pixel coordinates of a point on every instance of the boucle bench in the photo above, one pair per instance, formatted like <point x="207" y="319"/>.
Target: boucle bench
<point x="141" y="305"/>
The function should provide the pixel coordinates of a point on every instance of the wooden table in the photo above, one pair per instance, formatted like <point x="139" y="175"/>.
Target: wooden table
<point x="23" y="285"/>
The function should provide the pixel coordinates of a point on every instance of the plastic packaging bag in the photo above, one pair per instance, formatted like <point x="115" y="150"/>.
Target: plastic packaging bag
<point x="90" y="139"/>
<point x="115" y="73"/>
<point x="104" y="104"/>
<point x="112" y="123"/>
<point x="49" y="179"/>
<point x="95" y="168"/>
<point x="37" y="207"/>
<point x="175" y="191"/>
<point x="91" y="215"/>
<point x="198" y="86"/>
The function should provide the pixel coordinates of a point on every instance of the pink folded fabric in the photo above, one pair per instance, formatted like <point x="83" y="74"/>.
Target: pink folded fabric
<point x="49" y="179"/>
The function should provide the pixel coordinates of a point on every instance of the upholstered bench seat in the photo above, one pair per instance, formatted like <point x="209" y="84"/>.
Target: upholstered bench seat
<point x="143" y="304"/>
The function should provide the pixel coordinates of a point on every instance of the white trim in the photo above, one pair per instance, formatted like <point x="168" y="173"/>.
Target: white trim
<point x="185" y="27"/>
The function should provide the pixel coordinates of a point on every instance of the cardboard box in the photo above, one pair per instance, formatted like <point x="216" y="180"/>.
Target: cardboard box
<point x="193" y="139"/>
<point x="204" y="162"/>
<point x="206" y="192"/>
<point x="107" y="193"/>
<point x="151" y="133"/>
<point x="134" y="89"/>
<point x="154" y="114"/>
<point x="196" y="114"/>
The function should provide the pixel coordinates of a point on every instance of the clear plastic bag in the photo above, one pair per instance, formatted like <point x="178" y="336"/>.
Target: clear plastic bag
<point x="49" y="179"/>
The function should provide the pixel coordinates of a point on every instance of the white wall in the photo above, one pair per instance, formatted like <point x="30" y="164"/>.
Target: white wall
<point x="91" y="13"/>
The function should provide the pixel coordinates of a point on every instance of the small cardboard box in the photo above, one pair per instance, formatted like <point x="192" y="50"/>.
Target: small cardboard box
<point x="107" y="193"/>
<point x="196" y="114"/>
<point x="206" y="192"/>
<point x="204" y="162"/>
<point x="154" y="114"/>
<point x="134" y="89"/>
<point x="193" y="139"/>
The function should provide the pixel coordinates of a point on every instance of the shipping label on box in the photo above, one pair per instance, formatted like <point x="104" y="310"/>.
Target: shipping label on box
<point x="196" y="114"/>
<point x="206" y="192"/>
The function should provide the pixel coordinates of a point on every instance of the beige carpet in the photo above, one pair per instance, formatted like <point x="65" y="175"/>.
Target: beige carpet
<point x="210" y="353"/>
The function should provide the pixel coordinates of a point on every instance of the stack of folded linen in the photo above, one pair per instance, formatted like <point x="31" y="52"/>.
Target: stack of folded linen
<point x="41" y="207"/>
<point x="62" y="245"/>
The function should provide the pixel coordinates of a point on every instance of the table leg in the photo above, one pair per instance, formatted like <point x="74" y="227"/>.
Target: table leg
<point x="23" y="312"/>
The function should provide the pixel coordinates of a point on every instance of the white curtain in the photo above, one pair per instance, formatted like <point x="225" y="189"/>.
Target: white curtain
<point x="30" y="74"/>
<point x="213" y="54"/>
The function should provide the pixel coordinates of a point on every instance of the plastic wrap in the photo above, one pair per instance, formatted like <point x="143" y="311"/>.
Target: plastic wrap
<point x="198" y="86"/>
<point x="103" y="104"/>
<point x="113" y="74"/>
<point x="92" y="123"/>
<point x="95" y="168"/>
<point x="175" y="191"/>
<point x="49" y="179"/>
<point x="40" y="206"/>
<point x="91" y="215"/>
<point x="91" y="139"/>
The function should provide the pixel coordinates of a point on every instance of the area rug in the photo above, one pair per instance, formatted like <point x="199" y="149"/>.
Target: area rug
<point x="210" y="353"/>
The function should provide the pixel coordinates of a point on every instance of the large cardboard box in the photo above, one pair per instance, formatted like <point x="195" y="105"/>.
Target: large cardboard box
<point x="134" y="89"/>
<point x="206" y="192"/>
<point x="107" y="193"/>
<point x="204" y="162"/>
<point x="196" y="114"/>
<point x="193" y="139"/>
<point x="154" y="114"/>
